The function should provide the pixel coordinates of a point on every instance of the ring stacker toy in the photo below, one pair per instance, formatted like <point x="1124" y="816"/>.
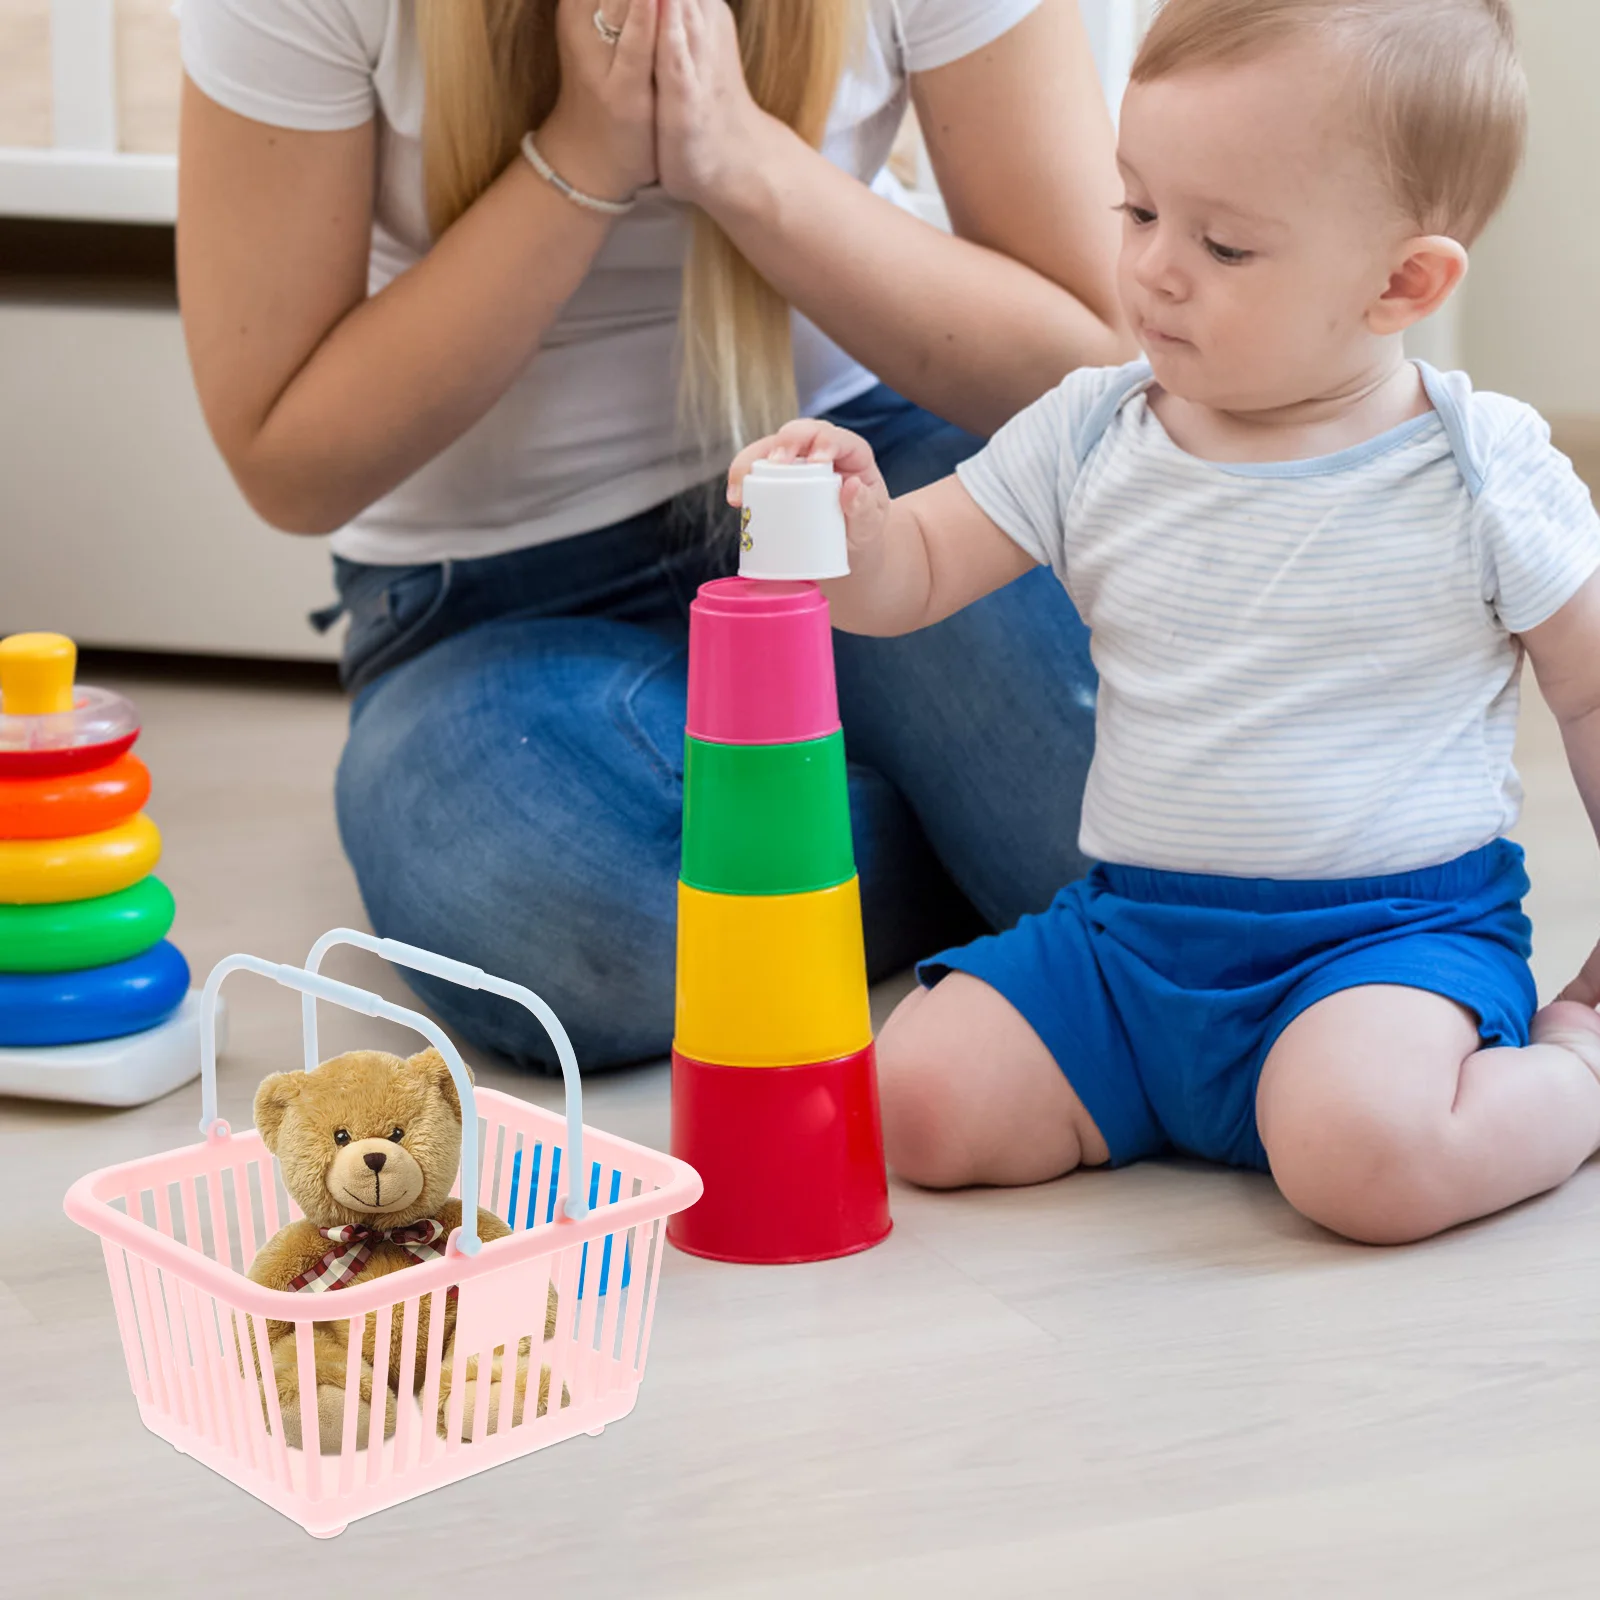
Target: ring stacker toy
<point x="185" y="1310"/>
<point x="95" y="1004"/>
<point x="774" y="1083"/>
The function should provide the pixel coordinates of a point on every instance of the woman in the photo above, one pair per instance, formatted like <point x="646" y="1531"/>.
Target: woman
<point x="502" y="373"/>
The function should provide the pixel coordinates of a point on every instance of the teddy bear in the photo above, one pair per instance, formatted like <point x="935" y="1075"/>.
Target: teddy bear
<point x="369" y="1145"/>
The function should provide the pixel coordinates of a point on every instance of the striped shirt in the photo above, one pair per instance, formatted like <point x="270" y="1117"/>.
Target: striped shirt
<point x="1308" y="669"/>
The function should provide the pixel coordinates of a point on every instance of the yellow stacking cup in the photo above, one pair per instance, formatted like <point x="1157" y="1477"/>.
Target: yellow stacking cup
<point x="44" y="871"/>
<point x="771" y="980"/>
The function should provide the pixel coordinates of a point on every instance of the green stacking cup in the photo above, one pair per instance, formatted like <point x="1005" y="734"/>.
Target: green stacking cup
<point x="766" y="818"/>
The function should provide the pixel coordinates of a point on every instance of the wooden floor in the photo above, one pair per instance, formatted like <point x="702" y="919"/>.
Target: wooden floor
<point x="1145" y="1384"/>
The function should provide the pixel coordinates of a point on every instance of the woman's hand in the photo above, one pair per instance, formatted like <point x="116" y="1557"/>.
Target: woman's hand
<point x="707" y="124"/>
<point x="601" y="136"/>
<point x="863" y="495"/>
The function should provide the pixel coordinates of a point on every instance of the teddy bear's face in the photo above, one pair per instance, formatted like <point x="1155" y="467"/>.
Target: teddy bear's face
<point x="367" y="1137"/>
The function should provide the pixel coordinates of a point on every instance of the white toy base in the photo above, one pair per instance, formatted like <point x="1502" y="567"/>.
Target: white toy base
<point x="114" y="1072"/>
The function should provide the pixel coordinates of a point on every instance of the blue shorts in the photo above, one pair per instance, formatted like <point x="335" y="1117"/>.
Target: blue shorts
<point x="1160" y="993"/>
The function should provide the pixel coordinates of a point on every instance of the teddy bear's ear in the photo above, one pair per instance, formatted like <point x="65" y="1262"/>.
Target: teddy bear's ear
<point x="436" y="1070"/>
<point x="273" y="1099"/>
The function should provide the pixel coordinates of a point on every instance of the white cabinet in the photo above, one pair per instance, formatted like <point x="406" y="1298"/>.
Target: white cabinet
<point x="119" y="524"/>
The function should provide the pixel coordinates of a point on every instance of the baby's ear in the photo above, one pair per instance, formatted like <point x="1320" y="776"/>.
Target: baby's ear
<point x="273" y="1099"/>
<point x="433" y="1066"/>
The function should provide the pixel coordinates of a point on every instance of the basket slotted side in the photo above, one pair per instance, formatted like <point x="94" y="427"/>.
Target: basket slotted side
<point x="179" y="1230"/>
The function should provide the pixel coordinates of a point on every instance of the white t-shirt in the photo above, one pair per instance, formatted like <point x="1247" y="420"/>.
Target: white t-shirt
<point x="587" y="434"/>
<point x="1308" y="669"/>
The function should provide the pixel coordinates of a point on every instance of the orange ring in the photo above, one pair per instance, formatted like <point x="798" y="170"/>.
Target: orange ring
<point x="72" y="803"/>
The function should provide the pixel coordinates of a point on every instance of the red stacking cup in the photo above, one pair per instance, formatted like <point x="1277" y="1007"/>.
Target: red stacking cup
<point x="791" y="1158"/>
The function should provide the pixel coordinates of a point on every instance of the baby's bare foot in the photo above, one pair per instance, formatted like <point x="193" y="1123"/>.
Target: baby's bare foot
<point x="1574" y="1027"/>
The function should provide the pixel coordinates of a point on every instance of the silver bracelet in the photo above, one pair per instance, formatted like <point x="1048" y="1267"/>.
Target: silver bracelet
<point x="590" y="202"/>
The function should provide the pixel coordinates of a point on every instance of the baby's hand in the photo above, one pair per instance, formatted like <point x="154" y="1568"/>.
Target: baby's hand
<point x="862" y="495"/>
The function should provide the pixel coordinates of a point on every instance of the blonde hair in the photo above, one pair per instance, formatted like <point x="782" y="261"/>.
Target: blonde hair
<point x="492" y="72"/>
<point x="1440" y="90"/>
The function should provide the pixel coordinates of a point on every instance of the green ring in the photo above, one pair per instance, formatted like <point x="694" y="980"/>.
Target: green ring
<point x="70" y="934"/>
<point x="766" y="818"/>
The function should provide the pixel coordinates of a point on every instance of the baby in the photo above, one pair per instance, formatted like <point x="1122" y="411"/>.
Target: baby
<point x="1311" y="568"/>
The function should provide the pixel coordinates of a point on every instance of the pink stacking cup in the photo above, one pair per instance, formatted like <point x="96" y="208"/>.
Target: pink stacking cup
<point x="760" y="663"/>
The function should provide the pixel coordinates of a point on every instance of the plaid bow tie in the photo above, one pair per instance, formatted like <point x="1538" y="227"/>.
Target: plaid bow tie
<point x="353" y="1243"/>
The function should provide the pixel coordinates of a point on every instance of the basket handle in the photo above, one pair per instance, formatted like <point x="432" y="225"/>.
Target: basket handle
<point x="409" y="955"/>
<point x="343" y="994"/>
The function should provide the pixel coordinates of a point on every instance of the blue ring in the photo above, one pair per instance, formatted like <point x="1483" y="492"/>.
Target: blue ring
<point x="48" y="1008"/>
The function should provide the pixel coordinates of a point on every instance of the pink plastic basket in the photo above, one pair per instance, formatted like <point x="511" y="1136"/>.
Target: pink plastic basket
<point x="179" y="1229"/>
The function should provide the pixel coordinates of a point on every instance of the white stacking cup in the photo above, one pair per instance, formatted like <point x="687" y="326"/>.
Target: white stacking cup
<point x="791" y="527"/>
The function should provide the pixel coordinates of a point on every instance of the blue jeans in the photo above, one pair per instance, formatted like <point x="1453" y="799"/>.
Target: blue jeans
<point x="510" y="794"/>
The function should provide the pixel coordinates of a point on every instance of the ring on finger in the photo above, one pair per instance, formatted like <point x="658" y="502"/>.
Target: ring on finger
<point x="607" y="30"/>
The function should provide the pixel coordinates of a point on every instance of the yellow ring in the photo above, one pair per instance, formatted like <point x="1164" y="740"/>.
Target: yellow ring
<point x="37" y="872"/>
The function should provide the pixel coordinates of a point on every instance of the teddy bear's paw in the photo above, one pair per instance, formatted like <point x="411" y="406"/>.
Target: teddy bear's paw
<point x="291" y="1424"/>
<point x="469" y="1392"/>
<point x="469" y="1403"/>
<point x="331" y="1399"/>
<point x="544" y="1393"/>
<point x="469" y="1410"/>
<point x="469" y="1406"/>
<point x="330" y="1412"/>
<point x="330" y="1419"/>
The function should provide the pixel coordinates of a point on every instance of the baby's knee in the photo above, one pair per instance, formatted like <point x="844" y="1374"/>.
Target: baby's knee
<point x="972" y="1095"/>
<point x="1370" y="1178"/>
<point x="920" y="1094"/>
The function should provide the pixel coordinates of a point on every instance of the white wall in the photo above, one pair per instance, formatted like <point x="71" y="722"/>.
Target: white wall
<point x="1531" y="312"/>
<point x="1115" y="28"/>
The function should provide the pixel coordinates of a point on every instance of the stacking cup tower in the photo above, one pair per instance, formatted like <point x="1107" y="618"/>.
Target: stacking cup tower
<point x="84" y="960"/>
<point x="774" y="1091"/>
